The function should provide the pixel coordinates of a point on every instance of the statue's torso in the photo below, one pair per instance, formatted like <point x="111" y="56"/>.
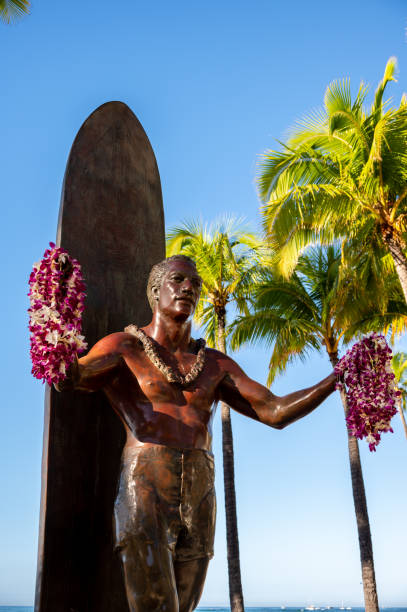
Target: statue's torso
<point x="156" y="411"/>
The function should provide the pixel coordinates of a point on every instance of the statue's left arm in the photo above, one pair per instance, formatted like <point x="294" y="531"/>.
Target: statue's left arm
<point x="93" y="370"/>
<point x="256" y="401"/>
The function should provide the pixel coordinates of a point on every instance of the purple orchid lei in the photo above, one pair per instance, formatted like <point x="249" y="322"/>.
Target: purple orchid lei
<point x="56" y="305"/>
<point x="370" y="389"/>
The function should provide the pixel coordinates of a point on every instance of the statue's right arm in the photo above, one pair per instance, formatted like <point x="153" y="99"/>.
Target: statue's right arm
<point x="92" y="371"/>
<point x="257" y="402"/>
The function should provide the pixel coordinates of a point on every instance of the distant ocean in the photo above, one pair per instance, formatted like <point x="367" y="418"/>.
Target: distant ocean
<point x="280" y="608"/>
<point x="248" y="609"/>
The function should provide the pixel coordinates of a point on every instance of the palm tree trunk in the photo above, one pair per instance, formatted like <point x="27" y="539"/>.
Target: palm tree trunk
<point x="232" y="537"/>
<point x="362" y="517"/>
<point x="403" y="420"/>
<point x="397" y="252"/>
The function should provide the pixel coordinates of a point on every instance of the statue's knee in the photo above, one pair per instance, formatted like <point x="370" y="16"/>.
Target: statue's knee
<point x="147" y="592"/>
<point x="150" y="587"/>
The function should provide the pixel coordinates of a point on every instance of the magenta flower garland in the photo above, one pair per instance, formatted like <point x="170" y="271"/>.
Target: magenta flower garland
<point x="57" y="294"/>
<point x="370" y="389"/>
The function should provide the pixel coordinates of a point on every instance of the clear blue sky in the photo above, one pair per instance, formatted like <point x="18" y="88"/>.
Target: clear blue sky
<point x="214" y="84"/>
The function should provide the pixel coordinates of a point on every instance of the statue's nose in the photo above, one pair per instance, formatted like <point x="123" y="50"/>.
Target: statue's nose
<point x="186" y="286"/>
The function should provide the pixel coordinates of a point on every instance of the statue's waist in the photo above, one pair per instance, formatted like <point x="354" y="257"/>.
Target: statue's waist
<point x="172" y="434"/>
<point x="135" y="447"/>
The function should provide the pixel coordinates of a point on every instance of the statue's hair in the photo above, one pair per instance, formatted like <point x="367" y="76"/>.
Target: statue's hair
<point x="157" y="274"/>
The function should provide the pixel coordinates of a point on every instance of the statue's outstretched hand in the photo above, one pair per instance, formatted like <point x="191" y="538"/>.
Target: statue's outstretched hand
<point x="72" y="377"/>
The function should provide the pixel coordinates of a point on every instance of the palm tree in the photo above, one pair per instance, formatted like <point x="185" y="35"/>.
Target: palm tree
<point x="223" y="255"/>
<point x="319" y="308"/>
<point x="341" y="174"/>
<point x="399" y="365"/>
<point x="12" y="10"/>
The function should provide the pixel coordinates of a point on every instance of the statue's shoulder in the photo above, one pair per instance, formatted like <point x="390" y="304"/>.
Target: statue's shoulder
<point x="119" y="342"/>
<point x="212" y="352"/>
<point x="132" y="337"/>
<point x="215" y="355"/>
<point x="225" y="363"/>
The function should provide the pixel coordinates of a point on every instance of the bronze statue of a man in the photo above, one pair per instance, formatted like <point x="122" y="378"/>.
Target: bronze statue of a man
<point x="164" y="387"/>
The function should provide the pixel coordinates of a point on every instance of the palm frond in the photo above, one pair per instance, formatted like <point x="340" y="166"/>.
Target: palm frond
<point x="205" y="317"/>
<point x="267" y="327"/>
<point x="289" y="349"/>
<point x="383" y="323"/>
<point x="399" y="367"/>
<point x="13" y="10"/>
<point x="306" y="164"/>
<point x="346" y="117"/>
<point x="389" y="73"/>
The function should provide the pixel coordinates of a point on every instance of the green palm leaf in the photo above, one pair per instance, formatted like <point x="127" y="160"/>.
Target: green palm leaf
<point x="341" y="175"/>
<point x="13" y="10"/>
<point x="322" y="304"/>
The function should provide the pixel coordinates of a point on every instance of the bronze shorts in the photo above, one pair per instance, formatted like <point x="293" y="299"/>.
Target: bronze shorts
<point x="167" y="497"/>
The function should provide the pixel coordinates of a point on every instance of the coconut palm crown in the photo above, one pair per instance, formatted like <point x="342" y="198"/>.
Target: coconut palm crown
<point x="341" y="174"/>
<point x="224" y="253"/>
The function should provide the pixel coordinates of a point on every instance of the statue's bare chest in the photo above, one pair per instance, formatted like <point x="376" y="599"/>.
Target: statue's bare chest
<point x="154" y="387"/>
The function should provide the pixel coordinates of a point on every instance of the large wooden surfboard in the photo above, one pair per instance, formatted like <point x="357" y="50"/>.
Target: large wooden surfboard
<point x="111" y="219"/>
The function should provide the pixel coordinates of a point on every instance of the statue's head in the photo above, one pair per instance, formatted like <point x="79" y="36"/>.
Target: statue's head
<point x="172" y="266"/>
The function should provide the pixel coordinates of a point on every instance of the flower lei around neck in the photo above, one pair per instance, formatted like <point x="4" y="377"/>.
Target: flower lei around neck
<point x="370" y="390"/>
<point x="57" y="294"/>
<point x="197" y="346"/>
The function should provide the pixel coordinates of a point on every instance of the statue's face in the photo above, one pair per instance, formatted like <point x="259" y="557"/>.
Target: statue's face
<point x="179" y="291"/>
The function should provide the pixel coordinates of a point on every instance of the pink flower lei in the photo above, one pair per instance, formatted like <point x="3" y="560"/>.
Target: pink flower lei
<point x="56" y="305"/>
<point x="370" y="389"/>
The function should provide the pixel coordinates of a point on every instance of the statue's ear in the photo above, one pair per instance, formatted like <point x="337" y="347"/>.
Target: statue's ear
<point x="156" y="293"/>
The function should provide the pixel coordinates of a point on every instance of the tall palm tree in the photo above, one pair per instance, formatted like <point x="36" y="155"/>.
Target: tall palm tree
<point x="223" y="255"/>
<point x="319" y="308"/>
<point x="342" y="173"/>
<point x="12" y="10"/>
<point x="399" y="365"/>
